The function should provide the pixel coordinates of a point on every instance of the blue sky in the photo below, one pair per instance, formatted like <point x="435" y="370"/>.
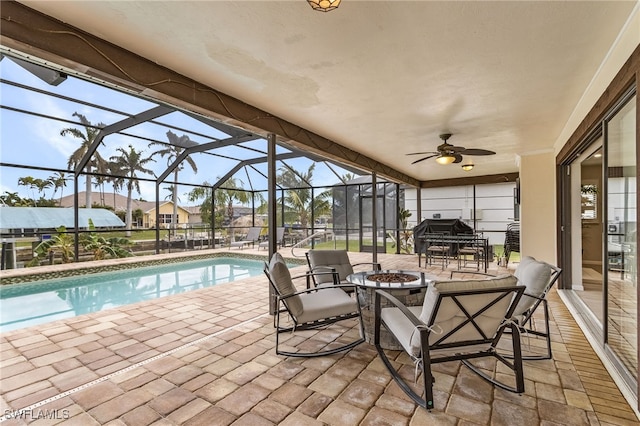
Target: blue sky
<point x="28" y="139"/>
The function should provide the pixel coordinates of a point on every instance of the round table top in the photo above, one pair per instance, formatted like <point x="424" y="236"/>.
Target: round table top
<point x="384" y="279"/>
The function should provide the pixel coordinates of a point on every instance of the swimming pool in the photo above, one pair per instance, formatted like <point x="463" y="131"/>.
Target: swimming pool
<point x="28" y="304"/>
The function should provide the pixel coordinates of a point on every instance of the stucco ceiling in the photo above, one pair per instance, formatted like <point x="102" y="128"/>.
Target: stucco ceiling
<point x="384" y="78"/>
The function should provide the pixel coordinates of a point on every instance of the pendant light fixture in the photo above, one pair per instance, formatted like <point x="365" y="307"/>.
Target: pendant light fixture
<point x="324" y="5"/>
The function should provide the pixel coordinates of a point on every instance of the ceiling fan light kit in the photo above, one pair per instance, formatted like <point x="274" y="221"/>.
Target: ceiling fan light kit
<point x="446" y="153"/>
<point x="445" y="159"/>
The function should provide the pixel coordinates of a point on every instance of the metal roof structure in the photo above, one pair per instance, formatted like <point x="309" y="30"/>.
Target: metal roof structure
<point x="54" y="217"/>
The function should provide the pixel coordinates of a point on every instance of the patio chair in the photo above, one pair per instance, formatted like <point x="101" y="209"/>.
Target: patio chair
<point x="279" y="239"/>
<point x="333" y="261"/>
<point x="538" y="278"/>
<point x="459" y="320"/>
<point x="511" y="240"/>
<point x="473" y="246"/>
<point x="252" y="236"/>
<point x="310" y="309"/>
<point x="437" y="248"/>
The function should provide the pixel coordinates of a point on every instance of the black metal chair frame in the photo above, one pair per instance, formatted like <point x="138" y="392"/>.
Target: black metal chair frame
<point x="435" y="245"/>
<point x="281" y="307"/>
<point x="526" y="324"/>
<point x="427" y="359"/>
<point x="473" y="245"/>
<point x="325" y="269"/>
<point x="511" y="240"/>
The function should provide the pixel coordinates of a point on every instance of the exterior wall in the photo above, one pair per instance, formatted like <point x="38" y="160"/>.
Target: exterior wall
<point x="494" y="205"/>
<point x="538" y="207"/>
<point x="166" y="208"/>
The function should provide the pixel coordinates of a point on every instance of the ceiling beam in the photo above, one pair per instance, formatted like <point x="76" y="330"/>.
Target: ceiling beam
<point x="477" y="180"/>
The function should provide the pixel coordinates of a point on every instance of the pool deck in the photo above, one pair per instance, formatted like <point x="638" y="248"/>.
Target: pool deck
<point x="207" y="357"/>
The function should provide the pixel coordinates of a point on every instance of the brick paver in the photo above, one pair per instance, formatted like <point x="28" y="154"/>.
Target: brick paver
<point x="228" y="373"/>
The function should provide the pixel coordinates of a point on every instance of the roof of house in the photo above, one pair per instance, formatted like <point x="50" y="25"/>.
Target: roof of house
<point x="117" y="201"/>
<point x="54" y="217"/>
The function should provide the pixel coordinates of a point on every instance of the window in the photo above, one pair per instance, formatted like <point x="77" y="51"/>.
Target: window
<point x="168" y="218"/>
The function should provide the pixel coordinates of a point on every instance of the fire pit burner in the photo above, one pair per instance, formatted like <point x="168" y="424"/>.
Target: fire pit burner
<point x="392" y="277"/>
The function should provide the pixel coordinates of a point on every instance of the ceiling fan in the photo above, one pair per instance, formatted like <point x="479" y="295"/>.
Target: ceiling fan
<point x="447" y="153"/>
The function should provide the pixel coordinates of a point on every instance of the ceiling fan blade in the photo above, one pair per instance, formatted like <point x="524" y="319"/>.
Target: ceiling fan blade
<point x="473" y="151"/>
<point x="425" y="158"/>
<point x="421" y="153"/>
<point x="458" y="158"/>
<point x="457" y="148"/>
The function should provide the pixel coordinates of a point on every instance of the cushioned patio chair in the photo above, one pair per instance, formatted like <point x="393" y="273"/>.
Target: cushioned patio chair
<point x="333" y="261"/>
<point x="538" y="278"/>
<point x="312" y="308"/>
<point x="279" y="239"/>
<point x="459" y="320"/>
<point x="253" y="234"/>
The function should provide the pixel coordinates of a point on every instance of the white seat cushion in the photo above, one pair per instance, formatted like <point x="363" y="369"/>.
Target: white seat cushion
<point x="326" y="303"/>
<point x="535" y="276"/>
<point x="400" y="326"/>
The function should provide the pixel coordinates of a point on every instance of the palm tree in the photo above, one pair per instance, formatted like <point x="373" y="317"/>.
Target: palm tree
<point x="59" y="181"/>
<point x="29" y="182"/>
<point x="299" y="206"/>
<point x="172" y="151"/>
<point x="228" y="193"/>
<point x="12" y="199"/>
<point x="128" y="164"/>
<point x="40" y="184"/>
<point x="97" y="162"/>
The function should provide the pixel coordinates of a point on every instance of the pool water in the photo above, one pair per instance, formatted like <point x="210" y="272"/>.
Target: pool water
<point x="28" y="304"/>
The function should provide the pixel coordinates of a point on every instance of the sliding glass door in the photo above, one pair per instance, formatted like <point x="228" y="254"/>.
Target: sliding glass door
<point x="621" y="237"/>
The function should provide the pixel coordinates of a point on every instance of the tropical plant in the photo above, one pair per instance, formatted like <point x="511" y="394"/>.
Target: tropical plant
<point x="125" y="168"/>
<point x="203" y="193"/>
<point x="63" y="243"/>
<point x="104" y="248"/>
<point x="172" y="150"/>
<point x="13" y="199"/>
<point x="406" y="234"/>
<point x="87" y="138"/>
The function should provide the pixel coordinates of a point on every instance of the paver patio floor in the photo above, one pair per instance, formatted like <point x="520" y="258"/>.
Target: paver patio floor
<point x="207" y="357"/>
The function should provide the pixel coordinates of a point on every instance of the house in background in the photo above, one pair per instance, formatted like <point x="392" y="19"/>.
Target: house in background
<point x="119" y="204"/>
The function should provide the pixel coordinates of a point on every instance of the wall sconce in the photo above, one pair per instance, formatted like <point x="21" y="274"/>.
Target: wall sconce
<point x="467" y="167"/>
<point x="324" y="5"/>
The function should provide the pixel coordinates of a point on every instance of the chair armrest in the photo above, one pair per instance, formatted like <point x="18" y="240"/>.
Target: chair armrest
<point x="376" y="265"/>
<point x="322" y="267"/>
<point x="398" y="304"/>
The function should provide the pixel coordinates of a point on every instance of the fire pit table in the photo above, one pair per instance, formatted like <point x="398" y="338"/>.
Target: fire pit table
<point x="408" y="287"/>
